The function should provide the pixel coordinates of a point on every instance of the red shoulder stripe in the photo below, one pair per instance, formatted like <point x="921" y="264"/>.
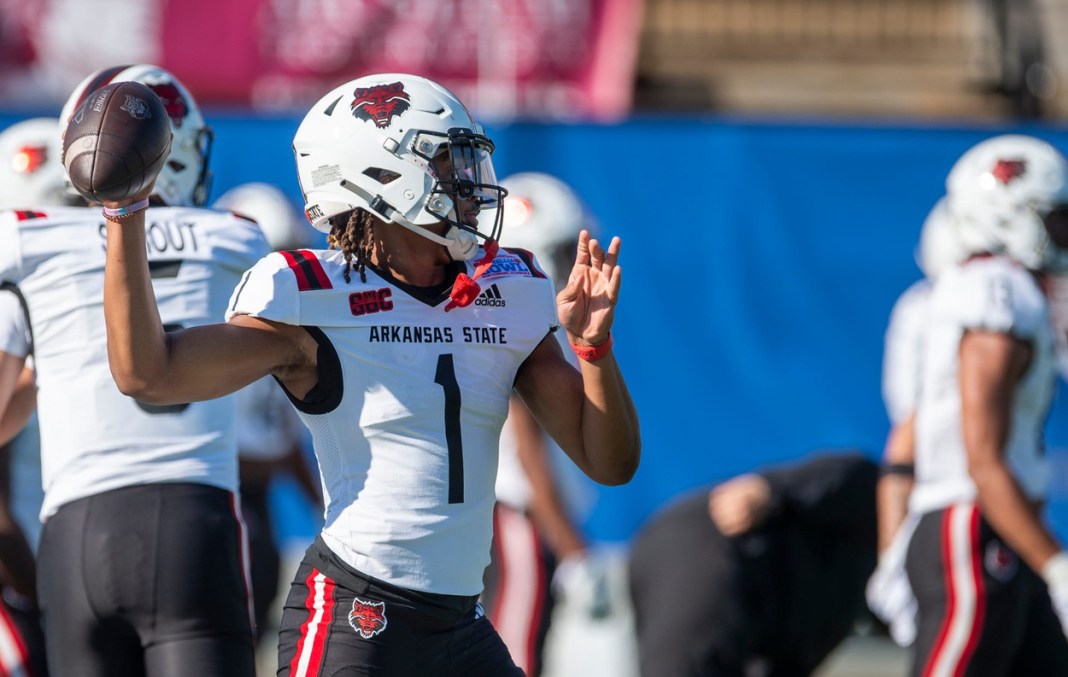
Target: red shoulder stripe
<point x="26" y="215"/>
<point x="307" y="269"/>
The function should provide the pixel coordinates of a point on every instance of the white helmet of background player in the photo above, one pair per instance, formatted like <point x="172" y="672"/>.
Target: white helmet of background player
<point x="374" y="144"/>
<point x="31" y="173"/>
<point x="940" y="244"/>
<point x="184" y="179"/>
<point x="544" y="215"/>
<point x="1008" y="195"/>
<point x="282" y="224"/>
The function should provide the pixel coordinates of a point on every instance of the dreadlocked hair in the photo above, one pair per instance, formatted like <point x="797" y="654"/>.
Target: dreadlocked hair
<point x="352" y="236"/>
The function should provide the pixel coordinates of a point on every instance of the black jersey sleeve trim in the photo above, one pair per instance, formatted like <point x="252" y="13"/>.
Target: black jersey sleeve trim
<point x="325" y="396"/>
<point x="5" y="285"/>
<point x="240" y="288"/>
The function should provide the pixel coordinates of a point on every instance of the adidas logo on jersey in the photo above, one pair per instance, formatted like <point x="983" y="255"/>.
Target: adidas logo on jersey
<point x="490" y="296"/>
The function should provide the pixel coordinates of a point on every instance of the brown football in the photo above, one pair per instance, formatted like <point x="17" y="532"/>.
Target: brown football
<point x="116" y="142"/>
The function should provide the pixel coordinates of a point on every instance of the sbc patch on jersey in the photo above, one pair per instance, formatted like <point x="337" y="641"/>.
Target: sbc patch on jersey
<point x="509" y="262"/>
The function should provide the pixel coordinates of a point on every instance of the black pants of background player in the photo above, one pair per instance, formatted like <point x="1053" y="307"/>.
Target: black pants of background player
<point x="342" y="623"/>
<point x="982" y="611"/>
<point x="146" y="581"/>
<point x="22" y="647"/>
<point x="264" y="560"/>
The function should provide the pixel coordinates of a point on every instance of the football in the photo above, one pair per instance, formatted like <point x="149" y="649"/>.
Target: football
<point x="116" y="142"/>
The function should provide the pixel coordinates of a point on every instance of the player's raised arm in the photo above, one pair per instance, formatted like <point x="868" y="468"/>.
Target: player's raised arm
<point x="189" y="365"/>
<point x="589" y="414"/>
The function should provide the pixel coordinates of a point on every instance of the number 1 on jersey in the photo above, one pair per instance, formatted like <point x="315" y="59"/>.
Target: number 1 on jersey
<point x="446" y="378"/>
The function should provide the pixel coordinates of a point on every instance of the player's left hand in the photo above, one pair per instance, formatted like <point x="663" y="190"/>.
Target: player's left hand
<point x="586" y="306"/>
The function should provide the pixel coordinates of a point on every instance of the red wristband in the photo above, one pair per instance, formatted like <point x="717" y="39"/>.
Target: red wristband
<point x="593" y="353"/>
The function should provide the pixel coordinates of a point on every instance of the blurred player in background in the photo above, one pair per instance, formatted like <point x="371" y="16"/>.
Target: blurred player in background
<point x="403" y="381"/>
<point x="270" y="435"/>
<point x="142" y="559"/>
<point x="31" y="175"/>
<point x="888" y="592"/>
<point x="538" y="551"/>
<point x="990" y="578"/>
<point x="762" y="575"/>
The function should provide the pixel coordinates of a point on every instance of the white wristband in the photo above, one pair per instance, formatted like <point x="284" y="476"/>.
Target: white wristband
<point x="1055" y="570"/>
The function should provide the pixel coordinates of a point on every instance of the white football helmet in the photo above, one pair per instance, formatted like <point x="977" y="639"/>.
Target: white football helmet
<point x="1008" y="195"/>
<point x="404" y="149"/>
<point x="940" y="244"/>
<point x="31" y="173"/>
<point x="282" y="224"/>
<point x="544" y="215"/>
<point x="184" y="179"/>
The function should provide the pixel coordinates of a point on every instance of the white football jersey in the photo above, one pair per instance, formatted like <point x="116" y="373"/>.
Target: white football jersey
<point x="1057" y="292"/>
<point x="406" y="418"/>
<point x="94" y="438"/>
<point x="990" y="294"/>
<point x="15" y="328"/>
<point x="903" y="350"/>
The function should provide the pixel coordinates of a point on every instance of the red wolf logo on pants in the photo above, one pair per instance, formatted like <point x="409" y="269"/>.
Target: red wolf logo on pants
<point x="367" y="618"/>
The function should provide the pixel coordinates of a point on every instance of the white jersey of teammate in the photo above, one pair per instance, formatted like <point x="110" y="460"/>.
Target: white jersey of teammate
<point x="990" y="294"/>
<point x="903" y="350"/>
<point x="406" y="418"/>
<point x="94" y="438"/>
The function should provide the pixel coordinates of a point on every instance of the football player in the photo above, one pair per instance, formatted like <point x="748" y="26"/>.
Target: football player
<point x="990" y="579"/>
<point x="888" y="592"/>
<point x="760" y="575"/>
<point x="141" y="565"/>
<point x="30" y="174"/>
<point x="403" y="381"/>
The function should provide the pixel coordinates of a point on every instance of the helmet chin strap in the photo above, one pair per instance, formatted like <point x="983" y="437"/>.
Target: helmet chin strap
<point x="462" y="245"/>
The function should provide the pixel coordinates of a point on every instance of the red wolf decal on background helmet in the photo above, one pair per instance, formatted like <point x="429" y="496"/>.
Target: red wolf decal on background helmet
<point x="367" y="618"/>
<point x="1007" y="170"/>
<point x="173" y="102"/>
<point x="380" y="103"/>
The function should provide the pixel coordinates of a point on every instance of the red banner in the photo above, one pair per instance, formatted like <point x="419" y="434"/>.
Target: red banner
<point x="564" y="59"/>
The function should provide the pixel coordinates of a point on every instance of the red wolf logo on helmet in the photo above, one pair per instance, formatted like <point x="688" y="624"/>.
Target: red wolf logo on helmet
<point x="367" y="618"/>
<point x="1007" y="170"/>
<point x="173" y="102"/>
<point x="380" y="103"/>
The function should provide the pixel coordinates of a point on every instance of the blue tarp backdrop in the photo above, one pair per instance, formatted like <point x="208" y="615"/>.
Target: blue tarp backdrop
<point x="760" y="262"/>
